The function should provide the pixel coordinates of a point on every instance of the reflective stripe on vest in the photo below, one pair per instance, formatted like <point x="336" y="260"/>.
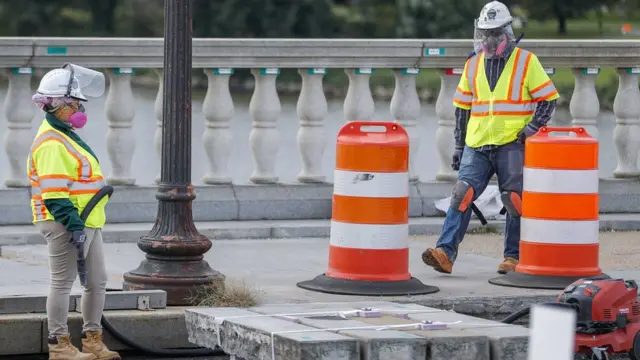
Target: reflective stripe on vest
<point x="40" y="185"/>
<point x="514" y="105"/>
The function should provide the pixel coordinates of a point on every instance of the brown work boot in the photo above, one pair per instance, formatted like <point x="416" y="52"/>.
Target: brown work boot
<point x="438" y="260"/>
<point x="509" y="264"/>
<point x="92" y="343"/>
<point x="60" y="348"/>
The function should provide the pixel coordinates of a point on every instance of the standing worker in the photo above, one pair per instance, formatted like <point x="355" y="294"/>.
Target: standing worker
<point x="503" y="97"/>
<point x="65" y="174"/>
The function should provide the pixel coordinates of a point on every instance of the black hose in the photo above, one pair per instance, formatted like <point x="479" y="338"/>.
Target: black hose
<point x="525" y="311"/>
<point x="108" y="191"/>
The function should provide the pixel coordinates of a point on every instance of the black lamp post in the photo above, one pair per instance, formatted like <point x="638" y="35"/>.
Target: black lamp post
<point x="174" y="248"/>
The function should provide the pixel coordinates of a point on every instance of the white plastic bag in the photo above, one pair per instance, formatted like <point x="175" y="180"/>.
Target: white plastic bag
<point x="489" y="204"/>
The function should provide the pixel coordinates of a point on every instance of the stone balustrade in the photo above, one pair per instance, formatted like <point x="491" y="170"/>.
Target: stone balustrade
<point x="218" y="58"/>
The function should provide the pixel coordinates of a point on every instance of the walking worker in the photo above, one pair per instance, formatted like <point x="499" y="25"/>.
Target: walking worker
<point x="504" y="96"/>
<point x="65" y="174"/>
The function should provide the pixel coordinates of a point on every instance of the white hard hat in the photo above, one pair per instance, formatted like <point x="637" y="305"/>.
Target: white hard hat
<point x="72" y="81"/>
<point x="493" y="15"/>
<point x="55" y="83"/>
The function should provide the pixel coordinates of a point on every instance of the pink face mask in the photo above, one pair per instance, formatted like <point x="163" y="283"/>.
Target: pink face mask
<point x="78" y="120"/>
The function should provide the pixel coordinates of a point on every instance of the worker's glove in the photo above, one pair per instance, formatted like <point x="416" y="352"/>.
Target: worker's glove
<point x="457" y="156"/>
<point x="527" y="131"/>
<point x="78" y="239"/>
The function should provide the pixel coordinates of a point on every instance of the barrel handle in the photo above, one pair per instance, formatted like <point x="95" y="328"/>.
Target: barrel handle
<point x="357" y="127"/>
<point x="579" y="131"/>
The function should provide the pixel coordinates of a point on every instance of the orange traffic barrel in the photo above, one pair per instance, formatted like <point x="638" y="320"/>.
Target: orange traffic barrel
<point x="369" y="238"/>
<point x="559" y="225"/>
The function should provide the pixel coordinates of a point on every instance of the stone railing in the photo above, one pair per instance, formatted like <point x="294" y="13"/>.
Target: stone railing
<point x="219" y="57"/>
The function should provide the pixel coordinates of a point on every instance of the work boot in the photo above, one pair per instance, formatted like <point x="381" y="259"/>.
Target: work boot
<point x="61" y="348"/>
<point x="438" y="260"/>
<point x="509" y="264"/>
<point x="92" y="343"/>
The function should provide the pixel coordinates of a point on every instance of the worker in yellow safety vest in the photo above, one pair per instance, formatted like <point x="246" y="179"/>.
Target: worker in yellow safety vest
<point x="65" y="174"/>
<point x="503" y="97"/>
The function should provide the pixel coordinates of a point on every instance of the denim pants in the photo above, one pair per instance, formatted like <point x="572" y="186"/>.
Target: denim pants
<point x="477" y="166"/>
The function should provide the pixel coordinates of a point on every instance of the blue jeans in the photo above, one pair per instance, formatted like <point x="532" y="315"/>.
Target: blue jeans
<point x="476" y="168"/>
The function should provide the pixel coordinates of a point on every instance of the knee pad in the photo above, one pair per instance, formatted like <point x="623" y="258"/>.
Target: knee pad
<point x="462" y="196"/>
<point x="512" y="203"/>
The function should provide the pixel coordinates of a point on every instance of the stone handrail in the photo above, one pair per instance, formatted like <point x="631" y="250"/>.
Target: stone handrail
<point x="301" y="53"/>
<point x="218" y="58"/>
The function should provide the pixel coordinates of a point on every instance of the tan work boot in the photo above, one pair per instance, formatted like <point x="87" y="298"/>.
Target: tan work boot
<point x="92" y="343"/>
<point x="438" y="260"/>
<point x="509" y="264"/>
<point x="61" y="348"/>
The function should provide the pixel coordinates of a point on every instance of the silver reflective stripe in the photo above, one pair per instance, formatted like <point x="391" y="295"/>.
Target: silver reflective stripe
<point x="503" y="108"/>
<point x="519" y="76"/>
<point x="38" y="205"/>
<point x="460" y="97"/>
<point x="480" y="108"/>
<point x="80" y="186"/>
<point x="47" y="184"/>
<point x="84" y="162"/>
<point x="528" y="107"/>
<point x="471" y="72"/>
<point x="544" y="91"/>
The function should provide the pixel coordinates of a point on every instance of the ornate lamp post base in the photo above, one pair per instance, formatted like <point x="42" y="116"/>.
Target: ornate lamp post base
<point x="178" y="277"/>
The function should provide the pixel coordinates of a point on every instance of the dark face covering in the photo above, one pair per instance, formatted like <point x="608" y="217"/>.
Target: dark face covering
<point x="495" y="42"/>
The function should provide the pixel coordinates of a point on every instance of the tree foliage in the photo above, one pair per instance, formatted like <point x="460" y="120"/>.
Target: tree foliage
<point x="563" y="10"/>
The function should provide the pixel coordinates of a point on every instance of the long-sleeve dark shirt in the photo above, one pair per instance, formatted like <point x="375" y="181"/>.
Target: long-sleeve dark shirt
<point x="493" y="69"/>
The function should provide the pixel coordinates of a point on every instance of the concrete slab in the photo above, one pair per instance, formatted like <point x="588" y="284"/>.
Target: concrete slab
<point x="114" y="300"/>
<point x="164" y="328"/>
<point x="444" y="344"/>
<point x="507" y="341"/>
<point x="21" y="334"/>
<point x="374" y="345"/>
<point x="248" y="335"/>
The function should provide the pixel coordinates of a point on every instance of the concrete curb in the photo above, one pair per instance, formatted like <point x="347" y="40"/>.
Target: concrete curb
<point x="22" y="334"/>
<point x="242" y="202"/>
<point x="286" y="229"/>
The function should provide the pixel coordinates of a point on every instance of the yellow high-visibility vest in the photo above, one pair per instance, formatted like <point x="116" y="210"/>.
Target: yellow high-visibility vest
<point x="497" y="117"/>
<point x="61" y="169"/>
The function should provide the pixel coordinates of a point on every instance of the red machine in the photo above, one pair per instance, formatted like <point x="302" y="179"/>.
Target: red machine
<point x="608" y="316"/>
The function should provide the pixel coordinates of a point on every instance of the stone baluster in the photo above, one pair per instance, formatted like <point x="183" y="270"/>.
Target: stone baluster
<point x="445" y="141"/>
<point x="358" y="104"/>
<point x="405" y="109"/>
<point x="19" y="110"/>
<point x="218" y="110"/>
<point x="312" y="109"/>
<point x="157" y="111"/>
<point x="626" y="135"/>
<point x="264" y="138"/>
<point x="585" y="105"/>
<point x="121" y="141"/>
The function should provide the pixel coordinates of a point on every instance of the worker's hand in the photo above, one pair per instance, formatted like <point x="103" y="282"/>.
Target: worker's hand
<point x="78" y="238"/>
<point x="527" y="131"/>
<point x="457" y="156"/>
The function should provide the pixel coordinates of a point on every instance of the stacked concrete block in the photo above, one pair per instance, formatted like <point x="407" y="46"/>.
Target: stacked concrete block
<point x="377" y="330"/>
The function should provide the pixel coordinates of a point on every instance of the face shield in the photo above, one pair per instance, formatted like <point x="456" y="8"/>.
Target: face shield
<point x="85" y="81"/>
<point x="493" y="43"/>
